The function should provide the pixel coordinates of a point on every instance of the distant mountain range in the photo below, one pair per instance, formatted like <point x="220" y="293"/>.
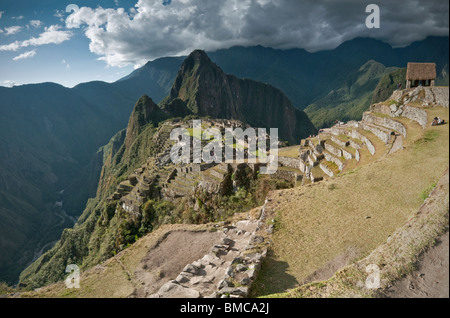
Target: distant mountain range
<point x="49" y="134"/>
<point x="328" y="85"/>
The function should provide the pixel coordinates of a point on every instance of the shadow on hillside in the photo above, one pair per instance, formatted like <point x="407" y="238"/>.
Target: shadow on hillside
<point x="273" y="277"/>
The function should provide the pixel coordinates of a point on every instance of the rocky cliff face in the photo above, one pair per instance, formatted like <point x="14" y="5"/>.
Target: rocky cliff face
<point x="145" y="112"/>
<point x="202" y="88"/>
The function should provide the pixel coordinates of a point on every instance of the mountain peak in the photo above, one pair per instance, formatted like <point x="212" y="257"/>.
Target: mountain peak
<point x="198" y="55"/>
<point x="145" y="112"/>
<point x="197" y="61"/>
<point x="202" y="88"/>
<point x="197" y="75"/>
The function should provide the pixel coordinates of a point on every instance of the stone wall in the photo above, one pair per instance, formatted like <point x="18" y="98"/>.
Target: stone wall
<point x="312" y="161"/>
<point x="304" y="155"/>
<point x="354" y="144"/>
<point x="347" y="155"/>
<point x="397" y="95"/>
<point x="289" y="176"/>
<point x="416" y="114"/>
<point x="217" y="174"/>
<point x="326" y="170"/>
<point x="441" y="96"/>
<point x="379" y="132"/>
<point x="339" y="142"/>
<point x="381" y="109"/>
<point x="331" y="158"/>
<point x="332" y="149"/>
<point x="336" y="130"/>
<point x="433" y="95"/>
<point x="385" y="122"/>
<point x="289" y="162"/>
<point x="302" y="167"/>
<point x="316" y="157"/>
<point x="364" y="139"/>
<point x="357" y="155"/>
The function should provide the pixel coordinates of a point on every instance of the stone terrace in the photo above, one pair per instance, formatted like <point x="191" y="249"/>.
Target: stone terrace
<point x="379" y="133"/>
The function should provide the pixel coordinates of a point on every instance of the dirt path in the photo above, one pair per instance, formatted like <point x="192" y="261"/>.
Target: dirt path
<point x="431" y="280"/>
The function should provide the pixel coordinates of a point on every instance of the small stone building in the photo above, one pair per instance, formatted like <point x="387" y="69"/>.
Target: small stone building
<point x="420" y="74"/>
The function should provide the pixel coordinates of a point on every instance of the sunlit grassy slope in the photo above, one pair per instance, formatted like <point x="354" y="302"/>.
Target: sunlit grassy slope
<point x="355" y="212"/>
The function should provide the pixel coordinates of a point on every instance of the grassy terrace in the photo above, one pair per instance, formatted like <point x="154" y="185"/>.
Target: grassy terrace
<point x="332" y="166"/>
<point x="343" y="138"/>
<point x="381" y="148"/>
<point x="332" y="143"/>
<point x="320" y="224"/>
<point x="317" y="172"/>
<point x="291" y="152"/>
<point x="350" y="165"/>
<point x="350" y="149"/>
<point x="359" y="142"/>
<point x="289" y="169"/>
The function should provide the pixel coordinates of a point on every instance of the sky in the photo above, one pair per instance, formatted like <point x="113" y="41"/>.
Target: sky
<point x="74" y="41"/>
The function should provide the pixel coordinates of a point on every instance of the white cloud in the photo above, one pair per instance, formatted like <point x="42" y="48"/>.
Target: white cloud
<point x="13" y="29"/>
<point x="20" y="17"/>
<point x="51" y="35"/>
<point x="121" y="38"/>
<point x="8" y="83"/>
<point x="36" y="23"/>
<point x="25" y="55"/>
<point x="1" y="13"/>
<point x="151" y="29"/>
<point x="10" y="47"/>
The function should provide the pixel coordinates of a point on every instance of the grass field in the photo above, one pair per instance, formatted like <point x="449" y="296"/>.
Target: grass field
<point x="357" y="210"/>
<point x="291" y="152"/>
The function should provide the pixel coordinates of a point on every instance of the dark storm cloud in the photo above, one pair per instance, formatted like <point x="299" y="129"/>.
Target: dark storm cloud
<point x="151" y="29"/>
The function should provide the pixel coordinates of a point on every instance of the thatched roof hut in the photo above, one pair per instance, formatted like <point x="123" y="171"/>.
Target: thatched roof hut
<point x="421" y="71"/>
<point x="420" y="74"/>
